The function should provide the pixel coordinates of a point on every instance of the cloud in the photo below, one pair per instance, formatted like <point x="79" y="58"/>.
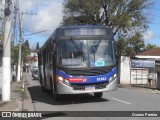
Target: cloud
<point x="149" y="35"/>
<point x="49" y="15"/>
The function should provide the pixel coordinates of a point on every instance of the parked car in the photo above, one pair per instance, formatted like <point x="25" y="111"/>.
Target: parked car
<point x="34" y="68"/>
<point x="35" y="74"/>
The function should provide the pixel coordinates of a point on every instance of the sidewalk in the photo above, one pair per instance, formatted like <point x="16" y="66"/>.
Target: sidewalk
<point x="20" y="98"/>
<point x="15" y="103"/>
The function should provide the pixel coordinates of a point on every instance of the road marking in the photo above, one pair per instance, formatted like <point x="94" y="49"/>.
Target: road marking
<point x="121" y="101"/>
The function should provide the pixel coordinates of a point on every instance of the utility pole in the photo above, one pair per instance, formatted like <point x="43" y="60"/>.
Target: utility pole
<point x="7" y="53"/>
<point x="19" y="72"/>
<point x="20" y="50"/>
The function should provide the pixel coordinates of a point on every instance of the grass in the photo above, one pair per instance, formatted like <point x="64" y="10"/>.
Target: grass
<point x="19" y="90"/>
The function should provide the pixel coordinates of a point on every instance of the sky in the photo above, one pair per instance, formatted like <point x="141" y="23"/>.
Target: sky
<point x="152" y="35"/>
<point x="41" y="15"/>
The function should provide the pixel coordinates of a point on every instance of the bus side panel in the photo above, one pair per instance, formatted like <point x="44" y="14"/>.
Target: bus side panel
<point x="40" y="67"/>
<point x="44" y="61"/>
<point x="54" y="66"/>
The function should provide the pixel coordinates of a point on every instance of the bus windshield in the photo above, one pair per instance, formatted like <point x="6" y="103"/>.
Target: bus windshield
<point x="85" y="53"/>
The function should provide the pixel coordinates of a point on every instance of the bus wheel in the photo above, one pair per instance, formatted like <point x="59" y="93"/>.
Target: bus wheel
<point x="98" y="95"/>
<point x="51" y="87"/>
<point x="56" y="97"/>
<point x="43" y="88"/>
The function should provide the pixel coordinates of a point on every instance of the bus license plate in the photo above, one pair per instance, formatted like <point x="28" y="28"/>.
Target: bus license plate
<point x="89" y="88"/>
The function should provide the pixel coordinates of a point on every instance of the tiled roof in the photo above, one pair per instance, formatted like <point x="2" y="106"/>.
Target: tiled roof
<point x="151" y="52"/>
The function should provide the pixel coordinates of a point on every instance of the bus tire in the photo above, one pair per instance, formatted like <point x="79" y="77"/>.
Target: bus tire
<point x="98" y="95"/>
<point x="56" y="97"/>
<point x="43" y="88"/>
<point x="51" y="87"/>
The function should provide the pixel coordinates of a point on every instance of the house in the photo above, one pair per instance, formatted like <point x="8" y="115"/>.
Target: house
<point x="152" y="53"/>
<point x="33" y="58"/>
<point x="141" y="69"/>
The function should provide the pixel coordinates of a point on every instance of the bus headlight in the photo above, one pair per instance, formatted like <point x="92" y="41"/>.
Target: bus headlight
<point x="115" y="75"/>
<point x="61" y="79"/>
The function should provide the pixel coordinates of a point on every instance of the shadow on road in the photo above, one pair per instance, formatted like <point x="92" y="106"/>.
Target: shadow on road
<point x="38" y="95"/>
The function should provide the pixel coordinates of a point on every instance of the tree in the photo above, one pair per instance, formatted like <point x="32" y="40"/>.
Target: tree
<point x="123" y="16"/>
<point x="131" y="45"/>
<point x="37" y="47"/>
<point x="82" y="12"/>
<point x="25" y="51"/>
<point x="15" y="54"/>
<point x="135" y="44"/>
<point x="150" y="46"/>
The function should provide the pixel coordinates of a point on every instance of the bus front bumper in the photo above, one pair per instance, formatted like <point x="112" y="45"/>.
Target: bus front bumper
<point x="65" y="89"/>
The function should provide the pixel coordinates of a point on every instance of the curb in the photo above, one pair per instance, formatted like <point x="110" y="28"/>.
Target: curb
<point x="27" y="104"/>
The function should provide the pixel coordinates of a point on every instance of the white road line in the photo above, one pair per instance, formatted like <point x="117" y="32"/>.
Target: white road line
<point x="121" y="101"/>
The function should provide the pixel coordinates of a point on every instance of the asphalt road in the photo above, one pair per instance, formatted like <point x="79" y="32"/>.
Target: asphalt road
<point x="123" y="99"/>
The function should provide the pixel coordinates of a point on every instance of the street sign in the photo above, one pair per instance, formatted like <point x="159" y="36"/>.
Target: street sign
<point x="139" y="63"/>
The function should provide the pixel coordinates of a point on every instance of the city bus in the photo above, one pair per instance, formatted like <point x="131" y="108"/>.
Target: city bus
<point x="77" y="60"/>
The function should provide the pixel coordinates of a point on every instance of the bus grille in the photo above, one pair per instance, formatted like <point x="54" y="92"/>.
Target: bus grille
<point x="87" y="71"/>
<point x="82" y="86"/>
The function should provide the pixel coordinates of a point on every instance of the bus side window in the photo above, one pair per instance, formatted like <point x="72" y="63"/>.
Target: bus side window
<point x="49" y="51"/>
<point x="45" y="56"/>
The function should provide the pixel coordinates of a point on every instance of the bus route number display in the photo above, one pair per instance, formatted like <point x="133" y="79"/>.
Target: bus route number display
<point x="84" y="31"/>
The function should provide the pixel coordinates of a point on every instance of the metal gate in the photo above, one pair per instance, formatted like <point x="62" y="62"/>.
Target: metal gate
<point x="143" y="73"/>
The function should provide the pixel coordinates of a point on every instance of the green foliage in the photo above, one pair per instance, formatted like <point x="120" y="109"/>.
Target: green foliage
<point x="25" y="51"/>
<point x="130" y="46"/>
<point x="14" y="54"/>
<point x="121" y="15"/>
<point x="150" y="46"/>
<point x="82" y="12"/>
<point x="125" y="17"/>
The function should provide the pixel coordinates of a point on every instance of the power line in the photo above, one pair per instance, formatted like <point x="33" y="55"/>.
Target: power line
<point x="38" y="32"/>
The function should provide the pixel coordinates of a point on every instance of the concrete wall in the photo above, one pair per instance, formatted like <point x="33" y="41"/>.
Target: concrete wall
<point x="130" y="75"/>
<point x="125" y="70"/>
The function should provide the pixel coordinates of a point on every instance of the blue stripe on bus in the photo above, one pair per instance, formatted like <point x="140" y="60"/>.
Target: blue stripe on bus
<point x="89" y="79"/>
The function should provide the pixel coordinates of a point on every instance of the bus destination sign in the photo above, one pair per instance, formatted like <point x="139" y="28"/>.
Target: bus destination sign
<point x="85" y="31"/>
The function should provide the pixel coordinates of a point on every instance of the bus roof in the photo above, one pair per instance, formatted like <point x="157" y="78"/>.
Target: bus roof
<point x="84" y="30"/>
<point x="80" y="30"/>
<point x="83" y="26"/>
